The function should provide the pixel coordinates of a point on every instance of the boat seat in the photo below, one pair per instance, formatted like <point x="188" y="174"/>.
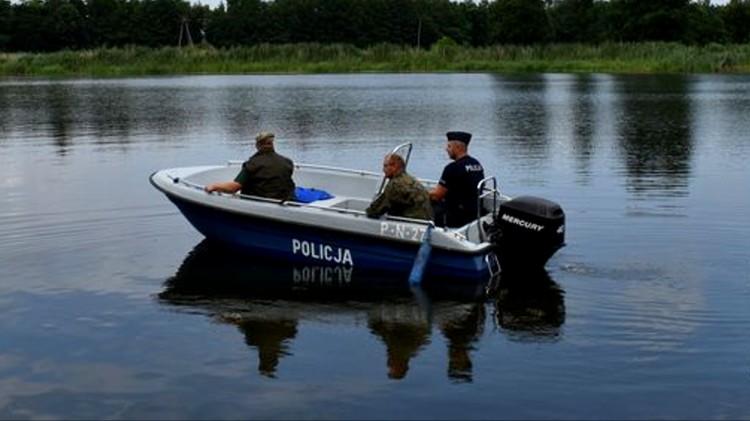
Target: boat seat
<point x="349" y="203"/>
<point x="339" y="203"/>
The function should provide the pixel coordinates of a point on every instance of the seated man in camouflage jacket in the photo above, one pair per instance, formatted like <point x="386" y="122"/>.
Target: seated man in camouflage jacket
<point x="403" y="196"/>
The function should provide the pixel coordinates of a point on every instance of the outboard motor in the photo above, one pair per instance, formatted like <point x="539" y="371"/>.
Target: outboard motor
<point x="526" y="232"/>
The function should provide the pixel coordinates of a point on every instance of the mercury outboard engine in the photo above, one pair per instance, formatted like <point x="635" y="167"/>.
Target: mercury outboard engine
<point x="526" y="232"/>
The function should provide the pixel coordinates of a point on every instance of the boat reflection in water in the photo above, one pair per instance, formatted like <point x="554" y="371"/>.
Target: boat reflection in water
<point x="266" y="300"/>
<point x="529" y="307"/>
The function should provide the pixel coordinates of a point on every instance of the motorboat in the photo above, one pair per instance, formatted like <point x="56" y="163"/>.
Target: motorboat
<point x="327" y="225"/>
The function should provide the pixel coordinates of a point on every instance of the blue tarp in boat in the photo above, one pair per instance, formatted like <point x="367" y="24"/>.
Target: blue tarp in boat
<point x="308" y="195"/>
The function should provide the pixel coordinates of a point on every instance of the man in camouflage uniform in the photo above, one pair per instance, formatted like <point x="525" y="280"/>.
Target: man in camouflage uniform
<point x="403" y="196"/>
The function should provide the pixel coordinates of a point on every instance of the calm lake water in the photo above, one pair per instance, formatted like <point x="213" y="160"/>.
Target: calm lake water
<point x="113" y="307"/>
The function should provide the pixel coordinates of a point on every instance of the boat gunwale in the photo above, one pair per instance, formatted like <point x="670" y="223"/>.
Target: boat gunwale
<point x="314" y="205"/>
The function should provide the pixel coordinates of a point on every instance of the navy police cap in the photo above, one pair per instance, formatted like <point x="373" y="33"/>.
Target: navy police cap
<point x="460" y="136"/>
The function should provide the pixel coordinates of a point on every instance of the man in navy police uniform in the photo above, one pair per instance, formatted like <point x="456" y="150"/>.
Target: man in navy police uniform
<point x="454" y="199"/>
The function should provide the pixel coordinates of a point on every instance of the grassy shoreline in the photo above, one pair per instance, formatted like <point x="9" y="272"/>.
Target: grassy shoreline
<point x="341" y="58"/>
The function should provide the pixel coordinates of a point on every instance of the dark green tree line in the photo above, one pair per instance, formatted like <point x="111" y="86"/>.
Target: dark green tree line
<point x="51" y="25"/>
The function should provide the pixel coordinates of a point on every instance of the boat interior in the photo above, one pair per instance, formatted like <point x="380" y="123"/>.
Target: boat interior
<point x="352" y="191"/>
